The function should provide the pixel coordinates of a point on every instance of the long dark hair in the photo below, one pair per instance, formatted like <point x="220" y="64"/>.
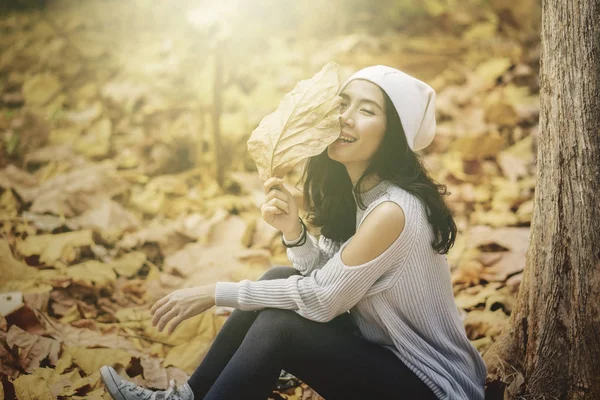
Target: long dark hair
<point x="328" y="189"/>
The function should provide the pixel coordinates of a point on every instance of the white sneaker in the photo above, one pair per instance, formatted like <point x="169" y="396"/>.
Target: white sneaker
<point x="121" y="389"/>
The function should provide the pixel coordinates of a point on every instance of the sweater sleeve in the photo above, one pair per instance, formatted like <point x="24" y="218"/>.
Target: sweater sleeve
<point x="313" y="254"/>
<point x="325" y="294"/>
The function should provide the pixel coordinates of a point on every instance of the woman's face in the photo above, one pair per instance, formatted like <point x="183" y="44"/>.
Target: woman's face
<point x="362" y="116"/>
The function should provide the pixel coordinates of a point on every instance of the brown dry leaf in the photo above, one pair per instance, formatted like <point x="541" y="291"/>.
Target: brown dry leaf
<point x="479" y="146"/>
<point x="472" y="297"/>
<point x="503" y="263"/>
<point x="304" y="124"/>
<point x="32" y="348"/>
<point x="480" y="323"/>
<point x="164" y="233"/>
<point x="198" y="227"/>
<point x="87" y="338"/>
<point x="109" y="218"/>
<point x="52" y="248"/>
<point x="230" y="231"/>
<point x="73" y="193"/>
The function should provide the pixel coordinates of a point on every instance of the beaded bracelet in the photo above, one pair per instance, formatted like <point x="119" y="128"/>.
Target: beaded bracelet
<point x="301" y="241"/>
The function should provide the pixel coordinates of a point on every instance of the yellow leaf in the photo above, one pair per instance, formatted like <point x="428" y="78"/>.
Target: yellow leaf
<point x="304" y="124"/>
<point x="32" y="387"/>
<point x="479" y="146"/>
<point x="63" y="362"/>
<point x="492" y="69"/>
<point x="9" y="206"/>
<point x="71" y="315"/>
<point x="52" y="248"/>
<point x="92" y="272"/>
<point x="129" y="264"/>
<point x="11" y="269"/>
<point x="77" y="382"/>
<point x="90" y="360"/>
<point x="187" y="356"/>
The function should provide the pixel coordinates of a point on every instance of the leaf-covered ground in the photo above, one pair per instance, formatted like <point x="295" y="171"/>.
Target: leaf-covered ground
<point x="108" y="195"/>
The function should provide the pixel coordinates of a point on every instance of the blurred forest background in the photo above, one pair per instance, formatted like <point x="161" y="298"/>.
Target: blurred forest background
<point x="124" y="172"/>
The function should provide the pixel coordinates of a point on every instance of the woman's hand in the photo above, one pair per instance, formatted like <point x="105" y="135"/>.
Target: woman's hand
<point x="181" y="305"/>
<point x="280" y="209"/>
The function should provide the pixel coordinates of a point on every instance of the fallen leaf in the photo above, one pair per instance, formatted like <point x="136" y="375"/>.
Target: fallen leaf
<point x="129" y="264"/>
<point x="32" y="387"/>
<point x="108" y="218"/>
<point x="52" y="248"/>
<point x="90" y="360"/>
<point x="33" y="349"/>
<point x="73" y="193"/>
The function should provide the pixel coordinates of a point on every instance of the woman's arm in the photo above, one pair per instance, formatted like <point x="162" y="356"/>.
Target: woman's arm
<point x="313" y="254"/>
<point x="377" y="246"/>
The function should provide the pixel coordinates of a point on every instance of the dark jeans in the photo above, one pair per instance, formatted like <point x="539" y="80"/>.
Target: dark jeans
<point x="249" y="352"/>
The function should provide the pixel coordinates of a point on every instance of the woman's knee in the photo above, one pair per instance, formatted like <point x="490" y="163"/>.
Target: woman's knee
<point x="279" y="325"/>
<point x="279" y="272"/>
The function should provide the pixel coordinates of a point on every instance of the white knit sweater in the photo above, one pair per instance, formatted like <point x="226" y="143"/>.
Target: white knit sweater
<point x="402" y="299"/>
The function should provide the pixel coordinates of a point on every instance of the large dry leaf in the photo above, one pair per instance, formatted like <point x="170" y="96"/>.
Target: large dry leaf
<point x="92" y="272"/>
<point x="52" y="248"/>
<point x="11" y="269"/>
<point x="32" y="348"/>
<point x="79" y="190"/>
<point x="90" y="360"/>
<point x="28" y="387"/>
<point x="109" y="218"/>
<point x="129" y="264"/>
<point x="304" y="124"/>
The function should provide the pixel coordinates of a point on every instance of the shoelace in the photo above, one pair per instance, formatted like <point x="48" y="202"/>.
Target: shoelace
<point x="140" y="391"/>
<point x="148" y="394"/>
<point x="167" y="394"/>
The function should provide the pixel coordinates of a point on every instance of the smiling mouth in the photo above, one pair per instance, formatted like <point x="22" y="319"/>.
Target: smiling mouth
<point x="343" y="141"/>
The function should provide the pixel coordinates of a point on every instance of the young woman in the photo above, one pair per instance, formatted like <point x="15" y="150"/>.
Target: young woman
<point x="367" y="311"/>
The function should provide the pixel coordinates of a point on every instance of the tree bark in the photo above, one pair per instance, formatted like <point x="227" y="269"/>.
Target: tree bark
<point x="551" y="348"/>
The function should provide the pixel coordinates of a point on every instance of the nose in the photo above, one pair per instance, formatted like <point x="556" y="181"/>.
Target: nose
<point x="346" y="118"/>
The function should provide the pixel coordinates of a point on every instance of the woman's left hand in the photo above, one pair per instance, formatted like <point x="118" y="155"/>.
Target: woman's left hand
<point x="181" y="305"/>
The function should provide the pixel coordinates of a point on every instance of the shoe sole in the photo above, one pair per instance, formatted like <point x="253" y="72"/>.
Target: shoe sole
<point x="111" y="384"/>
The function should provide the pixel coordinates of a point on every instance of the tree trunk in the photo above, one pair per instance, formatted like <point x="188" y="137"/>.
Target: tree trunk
<point x="551" y="348"/>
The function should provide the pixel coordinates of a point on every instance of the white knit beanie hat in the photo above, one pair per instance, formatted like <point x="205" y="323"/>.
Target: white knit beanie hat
<point x="413" y="99"/>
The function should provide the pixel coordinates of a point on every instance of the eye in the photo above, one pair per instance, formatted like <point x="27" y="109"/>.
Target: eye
<point x="343" y="104"/>
<point x="362" y="109"/>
